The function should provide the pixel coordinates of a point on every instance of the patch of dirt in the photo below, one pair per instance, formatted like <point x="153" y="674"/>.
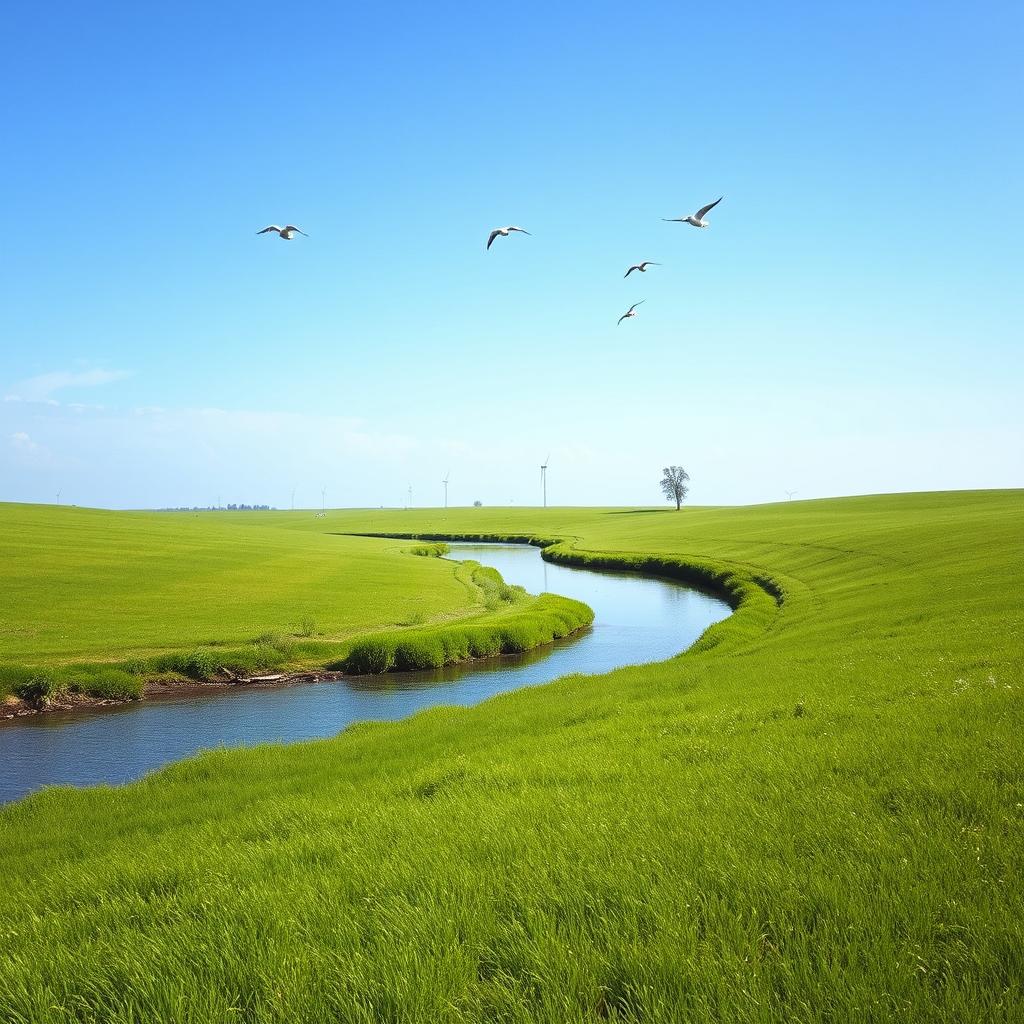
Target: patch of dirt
<point x="14" y="707"/>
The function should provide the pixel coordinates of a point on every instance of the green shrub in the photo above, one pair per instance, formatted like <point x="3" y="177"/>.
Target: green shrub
<point x="38" y="687"/>
<point x="104" y="681"/>
<point x="199" y="664"/>
<point x="370" y="656"/>
<point x="454" y="646"/>
<point x="416" y="653"/>
<point x="484" y="643"/>
<point x="434" y="549"/>
<point x="516" y="637"/>
<point x="548" y="617"/>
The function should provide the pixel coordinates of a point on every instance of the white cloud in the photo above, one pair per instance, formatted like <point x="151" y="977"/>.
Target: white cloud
<point x="27" y="452"/>
<point x="43" y="386"/>
<point x="22" y="442"/>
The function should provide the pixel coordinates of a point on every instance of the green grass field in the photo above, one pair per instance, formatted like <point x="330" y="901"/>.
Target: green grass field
<point x="97" y="601"/>
<point x="816" y="815"/>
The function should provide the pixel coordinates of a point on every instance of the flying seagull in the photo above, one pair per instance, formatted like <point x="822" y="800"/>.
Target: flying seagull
<point x="504" y="233"/>
<point x="287" y="232"/>
<point x="642" y="267"/>
<point x="629" y="312"/>
<point x="697" y="219"/>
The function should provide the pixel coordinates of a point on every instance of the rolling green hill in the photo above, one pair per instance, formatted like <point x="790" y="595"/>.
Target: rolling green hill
<point x="815" y="815"/>
<point x="98" y="601"/>
<point x="81" y="583"/>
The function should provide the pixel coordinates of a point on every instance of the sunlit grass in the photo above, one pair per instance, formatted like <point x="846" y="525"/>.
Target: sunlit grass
<point x="816" y="816"/>
<point x="89" y="585"/>
<point x="97" y="602"/>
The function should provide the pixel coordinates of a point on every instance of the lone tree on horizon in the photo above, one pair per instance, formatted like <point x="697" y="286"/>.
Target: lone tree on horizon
<point x="673" y="483"/>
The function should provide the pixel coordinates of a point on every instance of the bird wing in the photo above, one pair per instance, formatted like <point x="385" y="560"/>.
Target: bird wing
<point x="621" y="318"/>
<point x="630" y="271"/>
<point x="710" y="206"/>
<point x="672" y="220"/>
<point x="270" y="227"/>
<point x="492" y="236"/>
<point x="524" y="231"/>
<point x="635" y="304"/>
<point x="650" y="263"/>
<point x="292" y="227"/>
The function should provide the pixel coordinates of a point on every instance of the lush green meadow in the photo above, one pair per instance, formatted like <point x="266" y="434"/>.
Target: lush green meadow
<point x="815" y="815"/>
<point x="99" y="601"/>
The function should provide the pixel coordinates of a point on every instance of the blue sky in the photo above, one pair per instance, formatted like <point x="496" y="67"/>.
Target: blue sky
<point x="851" y="323"/>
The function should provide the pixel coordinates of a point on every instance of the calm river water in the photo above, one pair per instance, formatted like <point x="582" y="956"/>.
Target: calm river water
<point x="637" y="620"/>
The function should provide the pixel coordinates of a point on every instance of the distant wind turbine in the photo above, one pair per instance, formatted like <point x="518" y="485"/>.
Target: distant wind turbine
<point x="504" y="233"/>
<point x="58" y="497"/>
<point x="642" y="267"/>
<point x="544" y="479"/>
<point x="791" y="493"/>
<point x="409" y="505"/>
<point x="445" y="482"/>
<point x="630" y="312"/>
<point x="696" y="219"/>
<point x="287" y="232"/>
<point x="323" y="500"/>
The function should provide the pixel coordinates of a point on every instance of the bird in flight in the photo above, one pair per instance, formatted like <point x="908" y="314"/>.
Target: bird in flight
<point x="697" y="219"/>
<point x="642" y="267"/>
<point x="287" y="232"/>
<point x="504" y="233"/>
<point x="629" y="312"/>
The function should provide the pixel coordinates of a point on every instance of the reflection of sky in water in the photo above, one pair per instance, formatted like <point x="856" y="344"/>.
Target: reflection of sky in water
<point x="637" y="620"/>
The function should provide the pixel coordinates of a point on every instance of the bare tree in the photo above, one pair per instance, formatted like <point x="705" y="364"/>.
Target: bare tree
<point x="673" y="483"/>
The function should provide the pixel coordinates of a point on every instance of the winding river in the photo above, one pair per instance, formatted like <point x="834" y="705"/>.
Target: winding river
<point x="637" y="620"/>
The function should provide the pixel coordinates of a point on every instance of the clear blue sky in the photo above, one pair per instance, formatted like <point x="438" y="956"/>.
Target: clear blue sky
<point x="852" y="322"/>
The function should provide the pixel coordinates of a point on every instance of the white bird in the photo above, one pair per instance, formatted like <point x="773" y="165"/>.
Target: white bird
<point x="629" y="312"/>
<point x="696" y="219"/>
<point x="504" y="233"/>
<point x="287" y="232"/>
<point x="642" y="267"/>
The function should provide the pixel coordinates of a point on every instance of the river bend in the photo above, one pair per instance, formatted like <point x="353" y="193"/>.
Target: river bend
<point x="637" y="620"/>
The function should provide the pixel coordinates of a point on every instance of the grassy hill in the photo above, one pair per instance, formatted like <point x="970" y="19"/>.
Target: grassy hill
<point x="816" y="815"/>
<point x="97" y="601"/>
<point x="83" y="583"/>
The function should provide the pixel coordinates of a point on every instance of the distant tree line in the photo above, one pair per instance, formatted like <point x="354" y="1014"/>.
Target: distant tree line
<point x="220" y="508"/>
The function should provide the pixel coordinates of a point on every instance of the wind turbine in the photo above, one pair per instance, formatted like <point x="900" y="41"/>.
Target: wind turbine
<point x="293" y="499"/>
<point x="544" y="478"/>
<point x="445" y="482"/>
<point x="58" y="497"/>
<point x="323" y="500"/>
<point x="409" y="505"/>
<point x="791" y="493"/>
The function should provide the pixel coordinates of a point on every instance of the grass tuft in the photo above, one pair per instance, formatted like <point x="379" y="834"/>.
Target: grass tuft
<point x="434" y="549"/>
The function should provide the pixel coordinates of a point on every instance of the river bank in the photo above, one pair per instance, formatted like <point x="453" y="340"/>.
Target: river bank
<point x="637" y="620"/>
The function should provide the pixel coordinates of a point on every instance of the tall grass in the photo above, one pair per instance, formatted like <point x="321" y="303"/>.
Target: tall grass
<point x="549" y="617"/>
<point x="817" y="818"/>
<point x="436" y="549"/>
